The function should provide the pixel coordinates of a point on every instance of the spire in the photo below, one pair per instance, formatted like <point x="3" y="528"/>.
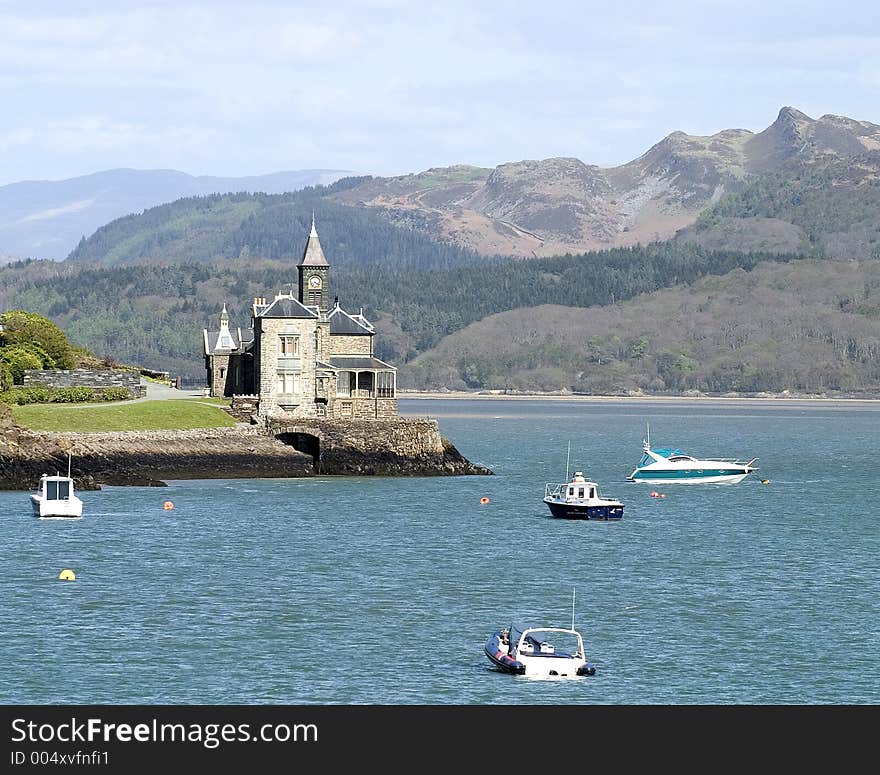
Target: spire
<point x="313" y="255"/>
<point x="225" y="340"/>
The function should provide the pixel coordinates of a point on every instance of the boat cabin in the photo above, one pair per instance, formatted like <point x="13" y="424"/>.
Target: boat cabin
<point x="56" y="488"/>
<point x="580" y="489"/>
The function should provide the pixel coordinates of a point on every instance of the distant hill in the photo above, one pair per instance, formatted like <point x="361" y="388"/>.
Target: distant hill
<point x="264" y="226"/>
<point x="806" y="326"/>
<point x="152" y="314"/>
<point x="47" y="218"/>
<point x="562" y="205"/>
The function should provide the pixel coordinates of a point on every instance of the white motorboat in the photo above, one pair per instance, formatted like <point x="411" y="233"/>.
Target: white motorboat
<point x="55" y="497"/>
<point x="660" y="465"/>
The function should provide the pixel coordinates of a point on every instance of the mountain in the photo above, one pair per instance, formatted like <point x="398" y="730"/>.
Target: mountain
<point x="46" y="219"/>
<point x="263" y="226"/>
<point x="559" y="205"/>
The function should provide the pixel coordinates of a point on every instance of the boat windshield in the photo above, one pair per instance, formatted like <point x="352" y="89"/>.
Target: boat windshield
<point x="57" y="491"/>
<point x="671" y="454"/>
<point x="548" y="642"/>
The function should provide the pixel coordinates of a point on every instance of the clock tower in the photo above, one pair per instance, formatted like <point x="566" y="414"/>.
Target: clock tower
<point x="314" y="273"/>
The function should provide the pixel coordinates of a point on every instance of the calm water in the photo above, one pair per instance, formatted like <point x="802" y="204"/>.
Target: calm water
<point x="383" y="591"/>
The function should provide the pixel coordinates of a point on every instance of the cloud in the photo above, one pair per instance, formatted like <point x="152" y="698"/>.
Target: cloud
<point x="390" y="86"/>
<point x="72" y="207"/>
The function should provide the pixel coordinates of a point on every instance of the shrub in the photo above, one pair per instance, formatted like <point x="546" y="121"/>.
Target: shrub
<point x="115" y="394"/>
<point x="73" y="395"/>
<point x="19" y="359"/>
<point x="26" y="395"/>
<point x="5" y="376"/>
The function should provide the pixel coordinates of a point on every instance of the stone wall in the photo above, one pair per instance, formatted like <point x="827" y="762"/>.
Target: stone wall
<point x="390" y="447"/>
<point x="92" y="378"/>
<point x="351" y="344"/>
<point x="394" y="447"/>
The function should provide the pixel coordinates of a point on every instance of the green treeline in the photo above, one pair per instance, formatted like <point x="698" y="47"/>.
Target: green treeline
<point x="834" y="200"/>
<point x="153" y="315"/>
<point x="264" y="226"/>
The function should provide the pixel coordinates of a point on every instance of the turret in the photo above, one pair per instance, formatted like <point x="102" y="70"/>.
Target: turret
<point x="314" y="273"/>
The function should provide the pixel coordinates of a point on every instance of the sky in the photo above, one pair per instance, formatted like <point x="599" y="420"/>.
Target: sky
<point x="382" y="87"/>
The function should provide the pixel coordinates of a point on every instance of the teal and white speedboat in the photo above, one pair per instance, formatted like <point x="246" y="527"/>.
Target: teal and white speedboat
<point x="672" y="466"/>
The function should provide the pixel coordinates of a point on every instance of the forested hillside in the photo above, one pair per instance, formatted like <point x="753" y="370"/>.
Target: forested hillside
<point x="153" y="315"/>
<point x="806" y="326"/>
<point x="250" y="226"/>
<point x="828" y="208"/>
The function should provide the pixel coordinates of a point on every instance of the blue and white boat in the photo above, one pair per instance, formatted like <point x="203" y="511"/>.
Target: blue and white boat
<point x="663" y="465"/>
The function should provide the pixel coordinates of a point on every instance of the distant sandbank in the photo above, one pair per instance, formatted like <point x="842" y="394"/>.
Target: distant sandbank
<point x="776" y="400"/>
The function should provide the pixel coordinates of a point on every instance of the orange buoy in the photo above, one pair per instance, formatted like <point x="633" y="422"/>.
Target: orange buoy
<point x="168" y="505"/>
<point x="484" y="501"/>
<point x="662" y="494"/>
<point x="654" y="494"/>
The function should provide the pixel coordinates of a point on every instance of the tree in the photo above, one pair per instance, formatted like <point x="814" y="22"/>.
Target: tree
<point x="38" y="334"/>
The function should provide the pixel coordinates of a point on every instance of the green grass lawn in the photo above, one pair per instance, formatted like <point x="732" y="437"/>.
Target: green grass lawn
<point x="141" y="416"/>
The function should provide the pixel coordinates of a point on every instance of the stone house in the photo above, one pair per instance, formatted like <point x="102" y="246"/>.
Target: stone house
<point x="302" y="356"/>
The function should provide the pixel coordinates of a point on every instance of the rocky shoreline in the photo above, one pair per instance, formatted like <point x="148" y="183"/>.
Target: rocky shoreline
<point x="150" y="458"/>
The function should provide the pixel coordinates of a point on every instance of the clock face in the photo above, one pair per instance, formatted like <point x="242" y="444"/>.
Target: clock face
<point x="314" y="281"/>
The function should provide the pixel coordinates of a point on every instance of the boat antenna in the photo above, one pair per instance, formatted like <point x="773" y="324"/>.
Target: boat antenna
<point x="567" y="460"/>
<point x="68" y="465"/>
<point x="572" y="608"/>
<point x="648" y="437"/>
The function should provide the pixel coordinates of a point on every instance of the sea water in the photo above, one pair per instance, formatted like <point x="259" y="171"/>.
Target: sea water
<point x="347" y="590"/>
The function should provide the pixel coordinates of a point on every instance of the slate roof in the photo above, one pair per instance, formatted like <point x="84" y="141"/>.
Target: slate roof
<point x="313" y="255"/>
<point x="359" y="362"/>
<point x="286" y="307"/>
<point x="343" y="323"/>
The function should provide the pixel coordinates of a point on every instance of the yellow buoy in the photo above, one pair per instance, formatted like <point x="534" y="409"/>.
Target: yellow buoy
<point x="484" y="501"/>
<point x="67" y="575"/>
<point x="168" y="505"/>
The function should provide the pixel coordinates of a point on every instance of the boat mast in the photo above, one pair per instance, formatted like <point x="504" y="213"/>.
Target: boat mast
<point x="572" y="608"/>
<point x="567" y="459"/>
<point x="68" y="465"/>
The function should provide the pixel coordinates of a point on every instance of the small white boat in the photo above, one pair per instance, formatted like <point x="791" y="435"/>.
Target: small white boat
<point x="55" y="497"/>
<point x="579" y="499"/>
<point x="541" y="652"/>
<point x="672" y="466"/>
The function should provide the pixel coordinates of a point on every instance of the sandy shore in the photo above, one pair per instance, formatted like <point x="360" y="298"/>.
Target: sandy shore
<point x="777" y="400"/>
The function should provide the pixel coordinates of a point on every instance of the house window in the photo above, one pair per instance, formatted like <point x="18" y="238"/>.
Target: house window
<point x="385" y="384"/>
<point x="343" y="383"/>
<point x="288" y="383"/>
<point x="222" y="372"/>
<point x="345" y="408"/>
<point x="288" y="346"/>
<point x="314" y="298"/>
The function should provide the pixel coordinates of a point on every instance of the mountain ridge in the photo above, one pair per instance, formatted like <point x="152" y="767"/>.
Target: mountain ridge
<point x="533" y="208"/>
<point x="47" y="218"/>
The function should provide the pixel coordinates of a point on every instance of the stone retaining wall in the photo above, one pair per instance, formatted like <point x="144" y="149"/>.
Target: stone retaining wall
<point x="402" y="447"/>
<point x="91" y="378"/>
<point x="394" y="446"/>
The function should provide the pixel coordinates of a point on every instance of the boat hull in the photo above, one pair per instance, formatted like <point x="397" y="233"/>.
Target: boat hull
<point x="705" y="476"/>
<point x="601" y="513"/>
<point x="70" y="508"/>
